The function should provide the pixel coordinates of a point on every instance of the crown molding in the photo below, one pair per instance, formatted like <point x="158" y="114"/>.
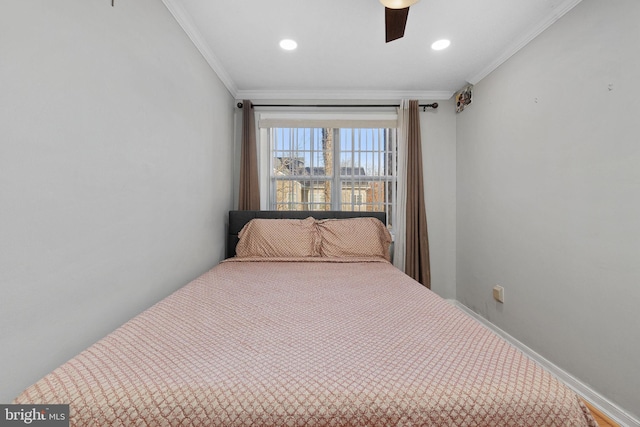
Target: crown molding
<point x="185" y="21"/>
<point x="557" y="13"/>
<point x="390" y="95"/>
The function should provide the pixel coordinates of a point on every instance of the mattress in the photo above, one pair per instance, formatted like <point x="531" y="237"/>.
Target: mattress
<point x="306" y="341"/>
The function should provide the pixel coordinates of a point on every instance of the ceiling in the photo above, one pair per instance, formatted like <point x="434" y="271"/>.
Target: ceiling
<point x="342" y="52"/>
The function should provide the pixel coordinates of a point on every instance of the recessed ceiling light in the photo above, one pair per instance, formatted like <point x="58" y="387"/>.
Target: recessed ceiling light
<point x="440" y="44"/>
<point x="398" y="4"/>
<point x="288" y="44"/>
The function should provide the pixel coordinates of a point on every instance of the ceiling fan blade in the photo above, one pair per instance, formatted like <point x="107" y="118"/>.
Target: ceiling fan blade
<point x="395" y="21"/>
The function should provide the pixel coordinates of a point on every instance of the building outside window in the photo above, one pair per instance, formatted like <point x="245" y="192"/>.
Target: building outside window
<point x="332" y="168"/>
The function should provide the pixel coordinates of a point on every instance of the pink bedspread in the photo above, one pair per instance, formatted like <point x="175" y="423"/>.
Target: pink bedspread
<point x="306" y="343"/>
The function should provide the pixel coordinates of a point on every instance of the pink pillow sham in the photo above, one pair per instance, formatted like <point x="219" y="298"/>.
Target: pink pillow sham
<point x="274" y="238"/>
<point x="354" y="237"/>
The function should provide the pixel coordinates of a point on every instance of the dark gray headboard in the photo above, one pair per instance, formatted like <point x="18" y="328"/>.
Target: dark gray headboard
<point x="237" y="220"/>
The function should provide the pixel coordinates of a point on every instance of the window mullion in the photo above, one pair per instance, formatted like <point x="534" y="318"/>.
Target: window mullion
<point x="336" y="185"/>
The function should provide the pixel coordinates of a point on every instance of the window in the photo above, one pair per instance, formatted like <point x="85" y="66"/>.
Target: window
<point x="331" y="168"/>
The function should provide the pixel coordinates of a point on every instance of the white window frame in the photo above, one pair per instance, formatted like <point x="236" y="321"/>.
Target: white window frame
<point x="267" y="120"/>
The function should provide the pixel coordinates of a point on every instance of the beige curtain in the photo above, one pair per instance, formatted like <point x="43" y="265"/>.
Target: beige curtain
<point x="249" y="198"/>
<point x="417" y="238"/>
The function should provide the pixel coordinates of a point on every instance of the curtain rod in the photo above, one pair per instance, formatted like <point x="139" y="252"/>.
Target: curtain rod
<point x="424" y="106"/>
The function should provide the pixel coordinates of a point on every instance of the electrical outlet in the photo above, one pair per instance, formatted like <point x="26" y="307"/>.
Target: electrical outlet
<point x="498" y="293"/>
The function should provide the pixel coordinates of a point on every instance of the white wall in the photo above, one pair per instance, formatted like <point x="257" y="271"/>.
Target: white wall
<point x="116" y="150"/>
<point x="548" y="197"/>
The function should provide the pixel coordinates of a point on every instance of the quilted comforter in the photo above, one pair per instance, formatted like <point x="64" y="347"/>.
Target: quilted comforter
<point x="306" y="343"/>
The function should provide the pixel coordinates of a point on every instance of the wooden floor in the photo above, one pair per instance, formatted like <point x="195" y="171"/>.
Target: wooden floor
<point x="603" y="420"/>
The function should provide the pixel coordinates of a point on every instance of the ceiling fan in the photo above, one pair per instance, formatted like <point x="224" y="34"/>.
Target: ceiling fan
<point x="395" y="17"/>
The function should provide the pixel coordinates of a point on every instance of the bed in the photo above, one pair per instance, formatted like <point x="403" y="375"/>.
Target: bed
<point x="307" y="323"/>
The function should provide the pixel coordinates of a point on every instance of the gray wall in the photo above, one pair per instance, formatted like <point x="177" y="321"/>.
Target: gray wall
<point x="548" y="197"/>
<point x="116" y="150"/>
<point x="438" y="136"/>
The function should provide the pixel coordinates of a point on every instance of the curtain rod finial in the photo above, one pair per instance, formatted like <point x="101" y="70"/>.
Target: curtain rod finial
<point x="239" y="104"/>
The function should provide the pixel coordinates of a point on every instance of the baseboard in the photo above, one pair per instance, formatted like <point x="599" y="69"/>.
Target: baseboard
<point x="603" y="404"/>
